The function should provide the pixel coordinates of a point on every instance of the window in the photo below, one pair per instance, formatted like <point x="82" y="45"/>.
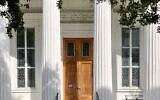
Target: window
<point x="70" y="49"/>
<point x="85" y="49"/>
<point x="26" y="58"/>
<point x="130" y="57"/>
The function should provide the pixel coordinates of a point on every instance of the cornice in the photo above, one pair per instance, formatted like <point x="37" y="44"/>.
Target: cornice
<point x="69" y="15"/>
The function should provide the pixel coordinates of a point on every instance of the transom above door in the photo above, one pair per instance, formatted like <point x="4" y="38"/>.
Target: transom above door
<point x="78" y="63"/>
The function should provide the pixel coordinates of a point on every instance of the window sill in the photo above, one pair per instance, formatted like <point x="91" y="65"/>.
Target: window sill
<point x="26" y="90"/>
<point x="129" y="90"/>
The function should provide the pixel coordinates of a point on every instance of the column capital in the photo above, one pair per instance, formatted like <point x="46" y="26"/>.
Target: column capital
<point x="101" y="1"/>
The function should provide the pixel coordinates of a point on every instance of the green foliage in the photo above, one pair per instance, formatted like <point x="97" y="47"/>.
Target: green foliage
<point x="136" y="11"/>
<point x="59" y="4"/>
<point x="13" y="14"/>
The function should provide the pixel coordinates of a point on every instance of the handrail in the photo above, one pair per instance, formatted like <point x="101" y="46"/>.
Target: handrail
<point x="97" y="96"/>
<point x="136" y="97"/>
<point x="127" y="98"/>
<point x="57" y="96"/>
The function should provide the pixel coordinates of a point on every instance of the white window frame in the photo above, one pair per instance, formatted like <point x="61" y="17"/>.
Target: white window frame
<point x="31" y="21"/>
<point x="26" y="65"/>
<point x="130" y="61"/>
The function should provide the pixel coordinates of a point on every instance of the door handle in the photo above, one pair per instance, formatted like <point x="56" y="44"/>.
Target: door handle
<point x="78" y="88"/>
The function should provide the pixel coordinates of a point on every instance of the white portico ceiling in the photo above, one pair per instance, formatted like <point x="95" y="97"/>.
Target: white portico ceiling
<point x="77" y="4"/>
<point x="67" y="4"/>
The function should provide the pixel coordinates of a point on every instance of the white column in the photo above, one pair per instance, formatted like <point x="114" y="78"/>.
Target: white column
<point x="102" y="51"/>
<point x="152" y="91"/>
<point x="5" y="81"/>
<point x="51" y="50"/>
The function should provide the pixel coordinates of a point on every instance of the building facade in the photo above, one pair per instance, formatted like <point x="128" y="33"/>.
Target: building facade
<point x="80" y="52"/>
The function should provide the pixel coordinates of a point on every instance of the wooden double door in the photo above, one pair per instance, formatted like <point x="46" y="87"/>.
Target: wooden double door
<point x="78" y="68"/>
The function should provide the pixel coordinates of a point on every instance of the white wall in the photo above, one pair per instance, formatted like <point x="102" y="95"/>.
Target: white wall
<point x="5" y="79"/>
<point x="83" y="30"/>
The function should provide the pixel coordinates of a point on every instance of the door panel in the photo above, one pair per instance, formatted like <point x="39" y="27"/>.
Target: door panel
<point x="70" y="70"/>
<point x="84" y="78"/>
<point x="78" y="56"/>
<point x="71" y="82"/>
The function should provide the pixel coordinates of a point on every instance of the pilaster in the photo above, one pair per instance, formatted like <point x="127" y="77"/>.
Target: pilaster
<point x="153" y="63"/>
<point x="102" y="50"/>
<point x="51" y="84"/>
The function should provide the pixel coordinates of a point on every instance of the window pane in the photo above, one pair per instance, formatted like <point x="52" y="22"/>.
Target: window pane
<point x="125" y="77"/>
<point x="20" y="39"/>
<point x="70" y="49"/>
<point x="125" y="37"/>
<point x="85" y="49"/>
<point x="31" y="77"/>
<point x="31" y="57"/>
<point x="125" y="56"/>
<point x="135" y="77"/>
<point x="20" y="57"/>
<point x="135" y="37"/>
<point x="21" y="77"/>
<point x="30" y="37"/>
<point x="135" y="57"/>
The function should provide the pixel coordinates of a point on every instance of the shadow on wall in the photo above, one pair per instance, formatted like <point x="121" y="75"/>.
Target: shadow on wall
<point x="51" y="82"/>
<point x="153" y="94"/>
<point x="5" y="81"/>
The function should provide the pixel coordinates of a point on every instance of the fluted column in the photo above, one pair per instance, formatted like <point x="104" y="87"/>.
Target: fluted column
<point x="51" y="50"/>
<point x="153" y="63"/>
<point x="102" y="50"/>
<point x="5" y="81"/>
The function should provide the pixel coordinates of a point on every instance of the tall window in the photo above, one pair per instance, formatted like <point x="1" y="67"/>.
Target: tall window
<point x="26" y="58"/>
<point x="130" y="57"/>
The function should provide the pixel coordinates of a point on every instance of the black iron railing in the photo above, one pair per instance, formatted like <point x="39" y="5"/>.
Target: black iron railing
<point x="57" y="96"/>
<point x="97" y="96"/>
<point x="133" y="97"/>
